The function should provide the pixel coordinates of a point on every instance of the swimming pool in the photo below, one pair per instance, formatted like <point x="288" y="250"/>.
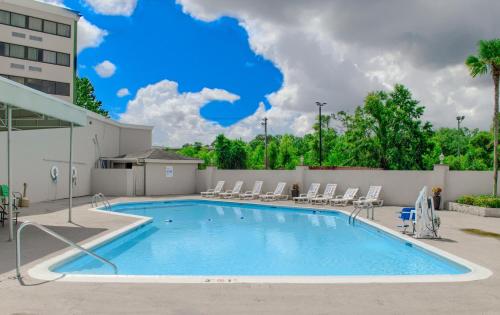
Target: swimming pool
<point x="210" y="240"/>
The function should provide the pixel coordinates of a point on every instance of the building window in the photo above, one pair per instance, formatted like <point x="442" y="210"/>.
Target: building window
<point x="34" y="54"/>
<point x="46" y="86"/>
<point x="35" y="24"/>
<point x="19" y="80"/>
<point x="17" y="51"/>
<point x="62" y="89"/>
<point x="4" y="17"/>
<point x="18" y="20"/>
<point x="49" y="57"/>
<point x="50" y="27"/>
<point x="34" y="84"/>
<point x="4" y="49"/>
<point x="63" y="59"/>
<point x="63" y="30"/>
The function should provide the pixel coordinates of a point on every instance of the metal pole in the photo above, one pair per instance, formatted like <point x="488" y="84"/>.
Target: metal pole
<point x="9" y="172"/>
<point x="320" y="138"/>
<point x="266" y="159"/>
<point x="70" y="205"/>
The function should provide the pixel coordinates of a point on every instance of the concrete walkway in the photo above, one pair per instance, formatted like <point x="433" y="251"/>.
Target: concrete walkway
<point x="36" y="297"/>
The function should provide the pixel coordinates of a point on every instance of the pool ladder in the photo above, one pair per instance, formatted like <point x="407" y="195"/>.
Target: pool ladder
<point x="99" y="197"/>
<point x="357" y="209"/>
<point x="59" y="237"/>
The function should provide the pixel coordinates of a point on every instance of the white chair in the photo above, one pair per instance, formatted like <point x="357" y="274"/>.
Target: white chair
<point x="215" y="191"/>
<point x="371" y="198"/>
<point x="276" y="195"/>
<point x="232" y="193"/>
<point x="349" y="196"/>
<point x="255" y="192"/>
<point x="311" y="193"/>
<point x="328" y="194"/>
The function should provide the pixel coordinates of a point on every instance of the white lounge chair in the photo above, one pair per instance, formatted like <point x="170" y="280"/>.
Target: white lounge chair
<point x="311" y="193"/>
<point x="215" y="191"/>
<point x="349" y="196"/>
<point x="255" y="192"/>
<point x="371" y="198"/>
<point x="328" y="194"/>
<point x="232" y="193"/>
<point x="276" y="195"/>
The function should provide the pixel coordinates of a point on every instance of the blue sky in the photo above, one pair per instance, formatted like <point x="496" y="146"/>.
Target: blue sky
<point x="193" y="72"/>
<point x="160" y="42"/>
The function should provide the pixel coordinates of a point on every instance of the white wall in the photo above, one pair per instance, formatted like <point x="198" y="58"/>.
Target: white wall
<point x="34" y="153"/>
<point x="113" y="182"/>
<point x="399" y="187"/>
<point x="182" y="182"/>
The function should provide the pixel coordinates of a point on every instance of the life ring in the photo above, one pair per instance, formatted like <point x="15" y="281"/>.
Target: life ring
<point x="54" y="173"/>
<point x="74" y="175"/>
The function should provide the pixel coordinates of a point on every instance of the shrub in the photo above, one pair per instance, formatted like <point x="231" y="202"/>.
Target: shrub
<point x="480" y="201"/>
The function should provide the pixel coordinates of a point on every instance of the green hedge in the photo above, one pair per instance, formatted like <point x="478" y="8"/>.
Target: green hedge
<point x="480" y="201"/>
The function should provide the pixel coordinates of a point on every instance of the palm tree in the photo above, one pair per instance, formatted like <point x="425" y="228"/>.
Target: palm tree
<point x="488" y="60"/>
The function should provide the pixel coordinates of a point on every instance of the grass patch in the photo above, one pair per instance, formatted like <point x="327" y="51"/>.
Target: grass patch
<point x="482" y="233"/>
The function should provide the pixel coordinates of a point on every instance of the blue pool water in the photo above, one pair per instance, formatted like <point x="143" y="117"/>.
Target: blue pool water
<point x="216" y="238"/>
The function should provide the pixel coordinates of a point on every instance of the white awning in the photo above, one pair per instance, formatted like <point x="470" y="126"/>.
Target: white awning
<point x="32" y="109"/>
<point x="23" y="108"/>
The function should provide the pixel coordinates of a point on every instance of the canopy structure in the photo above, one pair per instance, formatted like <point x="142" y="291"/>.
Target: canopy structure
<point x="23" y="108"/>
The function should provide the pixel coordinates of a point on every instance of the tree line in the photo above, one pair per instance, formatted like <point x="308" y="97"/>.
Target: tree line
<point x="386" y="132"/>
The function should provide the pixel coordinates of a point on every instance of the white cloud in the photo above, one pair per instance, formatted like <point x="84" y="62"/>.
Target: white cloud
<point x="176" y="116"/>
<point x="89" y="35"/>
<point x="337" y="51"/>
<point x="105" y="69"/>
<point x="123" y="92"/>
<point x="113" y="7"/>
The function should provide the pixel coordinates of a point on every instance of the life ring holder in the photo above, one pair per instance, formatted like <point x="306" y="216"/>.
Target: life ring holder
<point x="74" y="175"/>
<point x="54" y="173"/>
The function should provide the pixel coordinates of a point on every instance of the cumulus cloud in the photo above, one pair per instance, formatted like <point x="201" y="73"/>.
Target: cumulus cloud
<point x="89" y="35"/>
<point x="123" y="92"/>
<point x="336" y="51"/>
<point x="113" y="7"/>
<point x="105" y="69"/>
<point x="177" y="120"/>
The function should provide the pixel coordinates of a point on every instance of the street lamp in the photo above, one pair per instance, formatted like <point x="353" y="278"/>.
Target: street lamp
<point x="266" y="160"/>
<point x="459" y="120"/>
<point x="320" y="104"/>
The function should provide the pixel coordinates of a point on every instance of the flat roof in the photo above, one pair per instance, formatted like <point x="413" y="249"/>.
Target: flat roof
<point x="32" y="109"/>
<point x="154" y="155"/>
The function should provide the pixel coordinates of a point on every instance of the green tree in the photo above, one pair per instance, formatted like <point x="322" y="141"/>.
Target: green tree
<point x="85" y="97"/>
<point x="230" y="154"/>
<point x="488" y="60"/>
<point x="387" y="132"/>
<point x="287" y="153"/>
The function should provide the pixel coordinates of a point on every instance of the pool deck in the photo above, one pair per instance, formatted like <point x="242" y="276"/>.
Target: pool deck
<point x="57" y="297"/>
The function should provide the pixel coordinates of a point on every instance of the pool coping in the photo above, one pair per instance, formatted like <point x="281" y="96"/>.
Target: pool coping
<point x="43" y="270"/>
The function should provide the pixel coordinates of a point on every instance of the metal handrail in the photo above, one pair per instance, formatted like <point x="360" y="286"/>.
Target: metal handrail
<point x="59" y="237"/>
<point x="100" y="197"/>
<point x="357" y="210"/>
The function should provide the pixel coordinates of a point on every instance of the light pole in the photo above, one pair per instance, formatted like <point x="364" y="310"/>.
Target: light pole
<point x="320" y="104"/>
<point x="266" y="160"/>
<point x="459" y="120"/>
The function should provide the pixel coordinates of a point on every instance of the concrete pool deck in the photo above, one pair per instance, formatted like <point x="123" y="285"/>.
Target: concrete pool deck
<point x="56" y="297"/>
